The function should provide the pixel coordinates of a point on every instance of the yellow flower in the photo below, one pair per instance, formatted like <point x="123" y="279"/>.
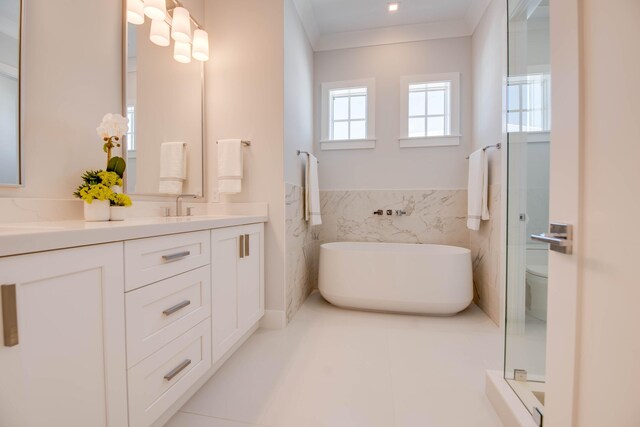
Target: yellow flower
<point x="120" y="199"/>
<point x="110" y="179"/>
<point x="95" y="192"/>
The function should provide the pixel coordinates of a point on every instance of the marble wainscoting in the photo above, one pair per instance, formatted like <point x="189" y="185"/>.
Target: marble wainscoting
<point x="486" y="250"/>
<point x="432" y="216"/>
<point x="302" y="251"/>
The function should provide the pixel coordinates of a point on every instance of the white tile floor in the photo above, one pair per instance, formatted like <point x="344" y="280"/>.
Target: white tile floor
<point x="332" y="367"/>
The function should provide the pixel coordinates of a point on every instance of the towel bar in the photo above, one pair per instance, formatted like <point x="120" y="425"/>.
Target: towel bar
<point x="498" y="146"/>
<point x="304" y="152"/>
<point x="245" y="143"/>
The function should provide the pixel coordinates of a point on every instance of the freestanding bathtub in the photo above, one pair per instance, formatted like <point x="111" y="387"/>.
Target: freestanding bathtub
<point x="396" y="277"/>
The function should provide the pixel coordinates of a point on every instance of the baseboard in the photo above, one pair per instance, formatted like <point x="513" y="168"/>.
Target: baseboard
<point x="507" y="405"/>
<point x="273" y="319"/>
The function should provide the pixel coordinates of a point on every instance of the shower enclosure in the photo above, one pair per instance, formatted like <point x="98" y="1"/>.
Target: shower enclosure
<point x="528" y="93"/>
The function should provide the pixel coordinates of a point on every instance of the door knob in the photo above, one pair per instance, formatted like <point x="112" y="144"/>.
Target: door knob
<point x="559" y="238"/>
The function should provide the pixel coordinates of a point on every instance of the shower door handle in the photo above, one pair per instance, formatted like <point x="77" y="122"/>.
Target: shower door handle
<point x="560" y="238"/>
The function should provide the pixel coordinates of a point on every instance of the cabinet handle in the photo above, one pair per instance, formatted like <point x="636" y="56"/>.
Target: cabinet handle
<point x="241" y="245"/>
<point x="246" y="245"/>
<point x="176" y="256"/>
<point x="175" y="371"/>
<point x="9" y="315"/>
<point x="176" y="307"/>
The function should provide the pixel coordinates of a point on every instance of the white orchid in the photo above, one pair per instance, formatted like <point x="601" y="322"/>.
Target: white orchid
<point x="111" y="130"/>
<point x="113" y="126"/>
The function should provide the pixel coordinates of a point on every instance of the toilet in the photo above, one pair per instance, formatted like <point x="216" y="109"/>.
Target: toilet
<point x="537" y="278"/>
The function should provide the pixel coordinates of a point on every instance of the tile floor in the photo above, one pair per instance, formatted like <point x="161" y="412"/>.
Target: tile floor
<point x="333" y="367"/>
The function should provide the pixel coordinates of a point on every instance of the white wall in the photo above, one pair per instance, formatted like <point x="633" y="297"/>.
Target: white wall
<point x="71" y="78"/>
<point x="489" y="70"/>
<point x="244" y="99"/>
<point x="387" y="166"/>
<point x="298" y="95"/>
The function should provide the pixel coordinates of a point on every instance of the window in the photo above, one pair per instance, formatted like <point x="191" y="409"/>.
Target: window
<point x="430" y="110"/>
<point x="429" y="113"/>
<point x="528" y="103"/>
<point x="348" y="115"/>
<point x="131" y="133"/>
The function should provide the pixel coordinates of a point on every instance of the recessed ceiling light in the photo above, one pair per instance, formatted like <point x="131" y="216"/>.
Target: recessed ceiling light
<point x="393" y="7"/>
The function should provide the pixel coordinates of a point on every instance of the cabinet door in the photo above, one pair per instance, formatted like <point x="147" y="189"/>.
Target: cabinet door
<point x="68" y="367"/>
<point x="224" y="299"/>
<point x="250" y="278"/>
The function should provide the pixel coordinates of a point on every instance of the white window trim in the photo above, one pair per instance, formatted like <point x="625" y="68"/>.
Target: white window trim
<point x="454" y="137"/>
<point x="350" y="144"/>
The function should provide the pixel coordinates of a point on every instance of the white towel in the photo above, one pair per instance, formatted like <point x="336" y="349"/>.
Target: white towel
<point x="478" y="189"/>
<point x="312" y="192"/>
<point x="230" y="166"/>
<point x="173" y="167"/>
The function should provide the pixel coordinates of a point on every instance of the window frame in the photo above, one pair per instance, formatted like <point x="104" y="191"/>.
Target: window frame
<point x="326" y="122"/>
<point x="544" y="81"/>
<point x="454" y="136"/>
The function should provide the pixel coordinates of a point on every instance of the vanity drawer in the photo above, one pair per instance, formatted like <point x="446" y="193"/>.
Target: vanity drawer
<point x="161" y="312"/>
<point x="161" y="379"/>
<point x="157" y="258"/>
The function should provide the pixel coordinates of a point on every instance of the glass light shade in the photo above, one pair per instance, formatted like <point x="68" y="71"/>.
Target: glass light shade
<point x="200" y="45"/>
<point x="182" y="52"/>
<point x="135" y="12"/>
<point x="160" y="33"/>
<point x="181" y="25"/>
<point x="155" y="9"/>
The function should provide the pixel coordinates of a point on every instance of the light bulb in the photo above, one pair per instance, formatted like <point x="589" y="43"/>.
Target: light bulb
<point x="160" y="33"/>
<point x="181" y="25"/>
<point x="135" y="12"/>
<point x="200" y="45"/>
<point x="182" y="52"/>
<point x="155" y="9"/>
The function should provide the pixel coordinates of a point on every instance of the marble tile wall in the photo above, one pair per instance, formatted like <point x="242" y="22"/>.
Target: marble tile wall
<point x="433" y="216"/>
<point x="486" y="251"/>
<point x="302" y="251"/>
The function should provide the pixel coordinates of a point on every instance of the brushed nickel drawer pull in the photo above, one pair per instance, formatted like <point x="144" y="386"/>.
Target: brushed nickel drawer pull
<point x="176" y="307"/>
<point x="175" y="371"/>
<point x="246" y="245"/>
<point x="176" y="256"/>
<point x="9" y="315"/>
<point x="241" y="245"/>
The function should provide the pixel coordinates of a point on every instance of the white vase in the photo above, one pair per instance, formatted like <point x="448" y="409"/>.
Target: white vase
<point x="118" y="213"/>
<point x="97" y="210"/>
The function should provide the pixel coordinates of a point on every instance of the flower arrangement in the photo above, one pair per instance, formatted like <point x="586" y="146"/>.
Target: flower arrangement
<point x="105" y="186"/>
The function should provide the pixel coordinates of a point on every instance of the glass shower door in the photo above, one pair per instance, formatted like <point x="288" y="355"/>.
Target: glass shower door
<point x="528" y="129"/>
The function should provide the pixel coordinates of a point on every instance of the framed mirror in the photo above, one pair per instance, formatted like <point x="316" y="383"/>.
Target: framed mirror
<point x="163" y="97"/>
<point x="10" y="132"/>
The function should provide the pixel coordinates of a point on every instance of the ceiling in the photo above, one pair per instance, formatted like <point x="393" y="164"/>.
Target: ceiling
<point x="336" y="24"/>
<point x="337" y="16"/>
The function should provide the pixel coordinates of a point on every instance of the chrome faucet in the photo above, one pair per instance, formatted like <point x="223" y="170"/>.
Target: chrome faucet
<point x="179" y="202"/>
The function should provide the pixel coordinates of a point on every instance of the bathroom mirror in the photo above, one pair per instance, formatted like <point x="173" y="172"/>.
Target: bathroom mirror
<point x="163" y="99"/>
<point x="10" y="36"/>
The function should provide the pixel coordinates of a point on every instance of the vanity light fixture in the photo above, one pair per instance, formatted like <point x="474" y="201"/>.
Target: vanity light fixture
<point x="393" y="7"/>
<point x="182" y="52"/>
<point x="135" y="12"/>
<point x="200" y="45"/>
<point x="160" y="33"/>
<point x="155" y="9"/>
<point x="181" y="25"/>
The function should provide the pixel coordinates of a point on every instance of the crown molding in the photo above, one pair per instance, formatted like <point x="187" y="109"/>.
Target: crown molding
<point x="392" y="35"/>
<point x="475" y="13"/>
<point x="305" y="13"/>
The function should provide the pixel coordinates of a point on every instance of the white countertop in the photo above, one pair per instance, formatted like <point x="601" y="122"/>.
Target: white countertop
<point x="22" y="238"/>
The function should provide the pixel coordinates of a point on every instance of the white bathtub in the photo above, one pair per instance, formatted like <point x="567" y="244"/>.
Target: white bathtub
<point x="396" y="277"/>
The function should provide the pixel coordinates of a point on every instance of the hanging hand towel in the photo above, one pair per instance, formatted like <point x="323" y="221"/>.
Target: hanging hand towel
<point x="312" y="192"/>
<point x="230" y="166"/>
<point x="173" y="167"/>
<point x="478" y="189"/>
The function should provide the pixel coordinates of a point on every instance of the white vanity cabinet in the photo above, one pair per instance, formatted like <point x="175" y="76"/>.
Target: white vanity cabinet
<point x="63" y="364"/>
<point x="237" y="284"/>
<point x="120" y="334"/>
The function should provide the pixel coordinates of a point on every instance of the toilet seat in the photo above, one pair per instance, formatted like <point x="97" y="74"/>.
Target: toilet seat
<point x="538" y="270"/>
